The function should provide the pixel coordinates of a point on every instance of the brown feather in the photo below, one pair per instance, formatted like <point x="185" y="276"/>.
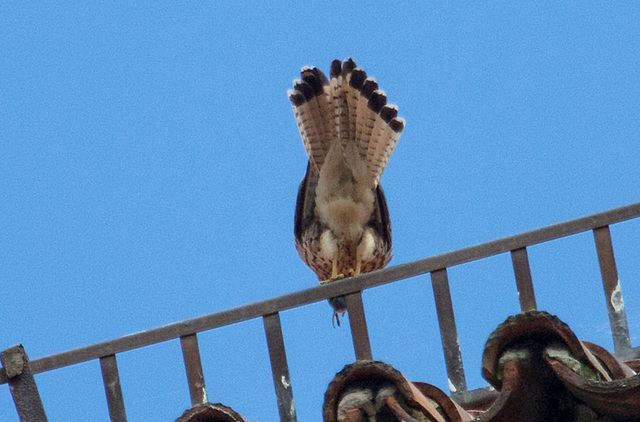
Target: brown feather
<point x="346" y="126"/>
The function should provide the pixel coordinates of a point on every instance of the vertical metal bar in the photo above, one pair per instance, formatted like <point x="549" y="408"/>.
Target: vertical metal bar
<point x="612" y="291"/>
<point x="358" y="324"/>
<point x="193" y="367"/>
<point x="22" y="385"/>
<point x="279" y="367"/>
<point x="112" y="388"/>
<point x="521" y="268"/>
<point x="448" y="331"/>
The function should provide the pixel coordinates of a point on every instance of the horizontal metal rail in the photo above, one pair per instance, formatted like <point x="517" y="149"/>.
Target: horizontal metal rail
<point x="325" y="291"/>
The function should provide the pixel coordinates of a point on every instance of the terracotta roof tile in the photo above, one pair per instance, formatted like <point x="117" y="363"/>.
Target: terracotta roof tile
<point x="543" y="372"/>
<point x="368" y="389"/>
<point x="210" y="412"/>
<point x="540" y="369"/>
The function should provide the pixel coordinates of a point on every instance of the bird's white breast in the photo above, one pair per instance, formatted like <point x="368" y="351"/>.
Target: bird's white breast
<point x="344" y="197"/>
<point x="345" y="217"/>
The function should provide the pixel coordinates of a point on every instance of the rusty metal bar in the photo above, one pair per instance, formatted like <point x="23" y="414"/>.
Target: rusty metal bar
<point x="474" y="399"/>
<point x="521" y="268"/>
<point x="328" y="290"/>
<point x="193" y="367"/>
<point x="112" y="388"/>
<point x="612" y="291"/>
<point x="22" y="385"/>
<point x="279" y="367"/>
<point x="358" y="324"/>
<point x="448" y="331"/>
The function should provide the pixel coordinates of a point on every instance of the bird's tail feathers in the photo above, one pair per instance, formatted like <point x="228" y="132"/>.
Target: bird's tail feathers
<point x="349" y="108"/>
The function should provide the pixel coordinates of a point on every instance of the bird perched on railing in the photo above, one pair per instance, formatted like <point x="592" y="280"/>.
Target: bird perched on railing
<point x="342" y="225"/>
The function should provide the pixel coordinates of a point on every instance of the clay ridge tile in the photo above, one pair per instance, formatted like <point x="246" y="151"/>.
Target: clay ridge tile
<point x="377" y="389"/>
<point x="210" y="412"/>
<point x="543" y="372"/>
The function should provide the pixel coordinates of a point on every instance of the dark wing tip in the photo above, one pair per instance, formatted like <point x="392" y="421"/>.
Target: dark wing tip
<point x="336" y="68"/>
<point x="377" y="100"/>
<point x="296" y="98"/>
<point x="368" y="87"/>
<point x="348" y="66"/>
<point x="388" y="112"/>
<point x="305" y="88"/>
<point x="321" y="76"/>
<point x="311" y="77"/>
<point x="358" y="76"/>
<point x="397" y="124"/>
<point x="313" y="82"/>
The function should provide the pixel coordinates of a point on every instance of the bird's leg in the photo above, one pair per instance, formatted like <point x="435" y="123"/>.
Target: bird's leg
<point x="334" y="271"/>
<point x="334" y="268"/>
<point x="357" y="270"/>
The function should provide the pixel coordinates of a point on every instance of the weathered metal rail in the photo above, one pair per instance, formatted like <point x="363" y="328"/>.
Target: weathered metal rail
<point x="352" y="288"/>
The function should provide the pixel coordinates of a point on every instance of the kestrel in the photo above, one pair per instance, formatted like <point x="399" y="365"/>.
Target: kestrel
<point x="342" y="225"/>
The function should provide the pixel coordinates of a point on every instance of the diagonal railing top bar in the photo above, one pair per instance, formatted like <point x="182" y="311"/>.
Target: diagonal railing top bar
<point x="337" y="288"/>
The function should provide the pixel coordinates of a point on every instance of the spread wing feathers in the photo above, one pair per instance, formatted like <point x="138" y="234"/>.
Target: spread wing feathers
<point x="305" y="206"/>
<point x="349" y="108"/>
<point x="314" y="113"/>
<point x="365" y="117"/>
<point x="380" y="220"/>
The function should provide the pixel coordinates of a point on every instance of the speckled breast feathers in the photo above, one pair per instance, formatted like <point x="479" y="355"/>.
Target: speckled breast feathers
<point x="349" y="131"/>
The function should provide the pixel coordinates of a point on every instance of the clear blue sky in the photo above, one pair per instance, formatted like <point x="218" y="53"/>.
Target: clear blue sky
<point x="150" y="161"/>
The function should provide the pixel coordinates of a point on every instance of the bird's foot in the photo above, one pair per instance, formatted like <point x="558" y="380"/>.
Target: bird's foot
<point x="357" y="270"/>
<point x="333" y="278"/>
<point x="350" y="273"/>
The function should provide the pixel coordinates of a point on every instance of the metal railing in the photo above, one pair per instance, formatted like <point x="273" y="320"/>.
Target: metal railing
<point x="269" y="310"/>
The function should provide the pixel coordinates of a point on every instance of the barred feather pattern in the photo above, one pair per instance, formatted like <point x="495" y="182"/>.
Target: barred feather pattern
<point x="348" y="108"/>
<point x="342" y="224"/>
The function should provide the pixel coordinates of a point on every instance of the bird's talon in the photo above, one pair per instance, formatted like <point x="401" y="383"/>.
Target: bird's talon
<point x="333" y="278"/>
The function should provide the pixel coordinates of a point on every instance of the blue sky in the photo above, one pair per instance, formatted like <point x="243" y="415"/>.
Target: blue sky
<point x="150" y="163"/>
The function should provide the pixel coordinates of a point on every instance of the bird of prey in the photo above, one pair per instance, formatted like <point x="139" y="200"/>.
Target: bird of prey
<point x="342" y="225"/>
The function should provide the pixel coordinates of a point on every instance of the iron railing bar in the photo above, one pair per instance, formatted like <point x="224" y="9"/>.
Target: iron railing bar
<point x="612" y="291"/>
<point x="524" y="283"/>
<point x="358" y="324"/>
<point x="448" y="332"/>
<point x="22" y="385"/>
<point x="328" y="290"/>
<point x="193" y="368"/>
<point x="477" y="398"/>
<point x="279" y="367"/>
<point x="112" y="388"/>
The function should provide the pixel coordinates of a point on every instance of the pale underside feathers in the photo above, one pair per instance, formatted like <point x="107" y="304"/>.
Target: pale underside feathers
<point x="342" y="225"/>
<point x="348" y="108"/>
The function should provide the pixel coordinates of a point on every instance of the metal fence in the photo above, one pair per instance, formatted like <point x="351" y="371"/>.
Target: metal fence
<point x="26" y="398"/>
